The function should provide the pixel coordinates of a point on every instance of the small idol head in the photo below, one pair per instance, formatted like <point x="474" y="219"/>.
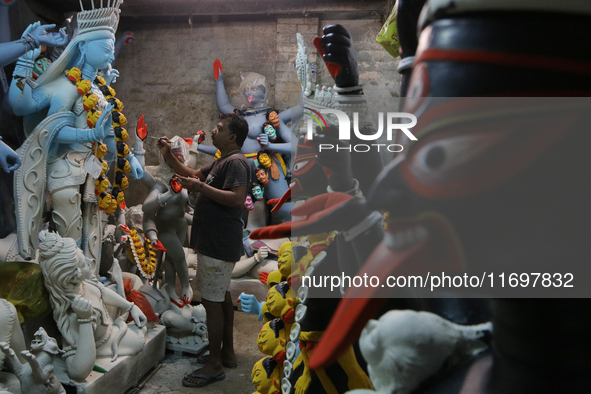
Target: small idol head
<point x="89" y="101"/>
<point x="40" y="66"/>
<point x="92" y="117"/>
<point x="270" y="131"/>
<point x="262" y="176"/>
<point x="257" y="192"/>
<point x="264" y="159"/>
<point x="273" y="117"/>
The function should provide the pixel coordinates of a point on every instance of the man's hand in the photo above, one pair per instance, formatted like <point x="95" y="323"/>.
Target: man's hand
<point x="164" y="146"/>
<point x="192" y="185"/>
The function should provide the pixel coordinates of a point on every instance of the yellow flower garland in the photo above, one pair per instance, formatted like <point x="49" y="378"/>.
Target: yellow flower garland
<point x="108" y="201"/>
<point x="137" y="251"/>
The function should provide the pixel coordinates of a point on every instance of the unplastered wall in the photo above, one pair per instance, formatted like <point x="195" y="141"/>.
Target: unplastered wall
<point x="167" y="72"/>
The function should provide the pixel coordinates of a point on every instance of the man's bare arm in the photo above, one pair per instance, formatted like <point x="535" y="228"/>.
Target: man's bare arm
<point x="175" y="164"/>
<point x="230" y="198"/>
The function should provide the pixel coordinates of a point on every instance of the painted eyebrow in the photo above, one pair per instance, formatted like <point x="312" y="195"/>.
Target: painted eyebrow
<point x="106" y="45"/>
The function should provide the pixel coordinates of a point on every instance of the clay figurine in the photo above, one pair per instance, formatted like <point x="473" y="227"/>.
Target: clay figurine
<point x="270" y="131"/>
<point x="256" y="116"/>
<point x="36" y="374"/>
<point x="165" y="221"/>
<point x="257" y="191"/>
<point x="80" y="308"/>
<point x="64" y="136"/>
<point x="262" y="176"/>
<point x="272" y="340"/>
<point x="265" y="376"/>
<point x="404" y="348"/>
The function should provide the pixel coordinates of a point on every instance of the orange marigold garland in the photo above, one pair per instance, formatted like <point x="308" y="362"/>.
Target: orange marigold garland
<point x="108" y="201"/>
<point x="143" y="254"/>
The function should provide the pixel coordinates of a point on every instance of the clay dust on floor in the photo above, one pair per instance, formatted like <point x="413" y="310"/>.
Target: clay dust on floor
<point x="238" y="381"/>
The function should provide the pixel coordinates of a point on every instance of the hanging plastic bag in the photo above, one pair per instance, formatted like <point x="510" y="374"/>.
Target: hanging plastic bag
<point x="388" y="36"/>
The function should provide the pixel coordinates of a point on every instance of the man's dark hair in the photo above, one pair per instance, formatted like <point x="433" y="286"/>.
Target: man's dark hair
<point x="237" y="126"/>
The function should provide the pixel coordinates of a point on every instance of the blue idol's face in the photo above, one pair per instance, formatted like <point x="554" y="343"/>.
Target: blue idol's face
<point x="99" y="53"/>
<point x="257" y="192"/>
<point x="255" y="94"/>
<point x="270" y="131"/>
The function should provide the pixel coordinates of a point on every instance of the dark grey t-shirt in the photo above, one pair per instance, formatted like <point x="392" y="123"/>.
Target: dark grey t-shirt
<point x="217" y="229"/>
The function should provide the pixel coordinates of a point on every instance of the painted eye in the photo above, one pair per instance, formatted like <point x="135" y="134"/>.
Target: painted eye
<point x="300" y="165"/>
<point x="303" y="163"/>
<point x="449" y="153"/>
<point x="454" y="164"/>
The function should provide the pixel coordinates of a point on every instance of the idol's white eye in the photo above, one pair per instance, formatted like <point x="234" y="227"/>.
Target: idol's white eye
<point x="300" y="165"/>
<point x="452" y="153"/>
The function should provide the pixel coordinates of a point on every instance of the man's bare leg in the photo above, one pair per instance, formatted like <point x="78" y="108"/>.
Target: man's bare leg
<point x="215" y="328"/>
<point x="228" y="355"/>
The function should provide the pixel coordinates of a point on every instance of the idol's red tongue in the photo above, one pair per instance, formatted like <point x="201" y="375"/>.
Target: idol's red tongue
<point x="286" y="196"/>
<point x="250" y="99"/>
<point x="433" y="249"/>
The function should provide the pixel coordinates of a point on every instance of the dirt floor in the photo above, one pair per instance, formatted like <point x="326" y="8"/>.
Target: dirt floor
<point x="238" y="381"/>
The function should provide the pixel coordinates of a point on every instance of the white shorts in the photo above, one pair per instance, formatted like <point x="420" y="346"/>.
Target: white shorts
<point x="213" y="277"/>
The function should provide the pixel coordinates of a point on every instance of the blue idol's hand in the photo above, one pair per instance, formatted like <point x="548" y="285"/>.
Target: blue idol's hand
<point x="49" y="39"/>
<point x="137" y="172"/>
<point x="249" y="304"/>
<point x="104" y="124"/>
<point x="9" y="160"/>
<point x="33" y="54"/>
<point x="111" y="76"/>
<point x="263" y="140"/>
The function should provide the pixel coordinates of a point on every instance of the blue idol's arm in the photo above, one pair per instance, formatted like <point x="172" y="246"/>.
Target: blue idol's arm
<point x="292" y="114"/>
<point x="109" y="140"/>
<point x="284" y="148"/>
<point x="222" y="98"/>
<point x="71" y="135"/>
<point x="209" y="149"/>
<point x="10" y="51"/>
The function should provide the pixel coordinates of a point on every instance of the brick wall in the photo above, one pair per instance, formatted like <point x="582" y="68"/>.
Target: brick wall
<point x="167" y="73"/>
<point x="288" y="88"/>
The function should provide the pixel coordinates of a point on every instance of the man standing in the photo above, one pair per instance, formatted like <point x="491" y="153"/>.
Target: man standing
<point x="217" y="236"/>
